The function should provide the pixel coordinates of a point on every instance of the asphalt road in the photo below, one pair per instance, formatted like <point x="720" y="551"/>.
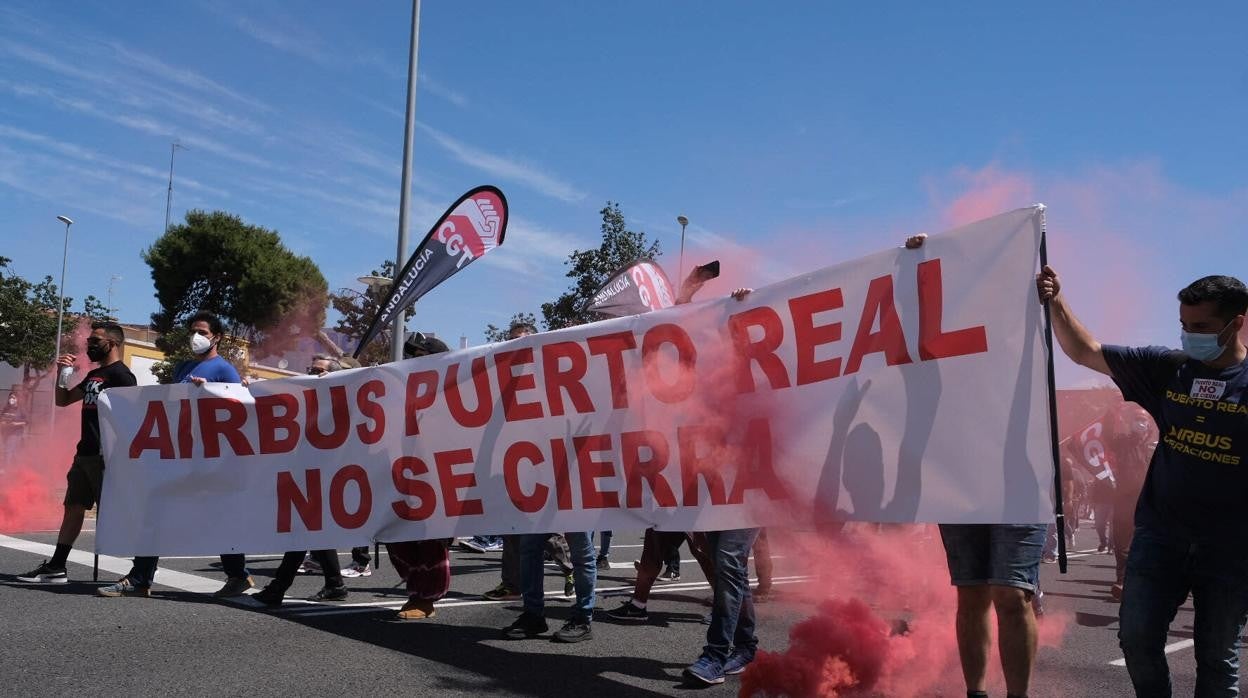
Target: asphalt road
<point x="62" y="640"/>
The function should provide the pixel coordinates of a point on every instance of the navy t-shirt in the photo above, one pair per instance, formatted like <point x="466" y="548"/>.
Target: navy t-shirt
<point x="1197" y="482"/>
<point x="214" y="370"/>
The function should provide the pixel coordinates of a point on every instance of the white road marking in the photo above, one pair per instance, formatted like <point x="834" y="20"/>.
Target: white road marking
<point x="194" y="583"/>
<point x="304" y="609"/>
<point x="1170" y="649"/>
<point x="118" y="566"/>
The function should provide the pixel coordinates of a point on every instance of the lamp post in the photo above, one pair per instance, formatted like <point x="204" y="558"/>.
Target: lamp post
<point x="375" y="283"/>
<point x="60" y="312"/>
<point x="405" y="192"/>
<point x="680" y="274"/>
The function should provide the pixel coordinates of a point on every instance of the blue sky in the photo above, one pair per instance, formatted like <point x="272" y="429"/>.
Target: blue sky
<point x="809" y="132"/>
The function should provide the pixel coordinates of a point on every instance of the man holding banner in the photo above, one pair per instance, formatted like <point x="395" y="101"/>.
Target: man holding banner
<point x="1191" y="535"/>
<point x="207" y="366"/>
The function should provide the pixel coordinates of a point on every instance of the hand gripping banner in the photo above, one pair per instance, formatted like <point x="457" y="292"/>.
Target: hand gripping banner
<point x="638" y="288"/>
<point x="908" y="385"/>
<point x="471" y="227"/>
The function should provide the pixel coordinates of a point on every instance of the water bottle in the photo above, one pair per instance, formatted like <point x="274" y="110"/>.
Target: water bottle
<point x="62" y="377"/>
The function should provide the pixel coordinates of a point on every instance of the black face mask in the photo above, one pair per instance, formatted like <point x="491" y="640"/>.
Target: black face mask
<point x="97" y="351"/>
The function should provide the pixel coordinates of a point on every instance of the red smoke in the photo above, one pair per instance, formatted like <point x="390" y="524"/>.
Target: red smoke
<point x="33" y="482"/>
<point x="843" y="647"/>
<point x="883" y="621"/>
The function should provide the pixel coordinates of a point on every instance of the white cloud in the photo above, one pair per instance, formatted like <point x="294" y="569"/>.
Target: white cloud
<point x="505" y="169"/>
<point x="439" y="90"/>
<point x="181" y="76"/>
<point x="534" y="251"/>
<point x="284" y="34"/>
<point x="81" y="154"/>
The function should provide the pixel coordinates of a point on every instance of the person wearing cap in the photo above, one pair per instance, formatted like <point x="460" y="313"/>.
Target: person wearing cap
<point x="424" y="565"/>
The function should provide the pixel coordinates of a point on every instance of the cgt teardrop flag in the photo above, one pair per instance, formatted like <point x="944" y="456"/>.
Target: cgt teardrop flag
<point x="638" y="288"/>
<point x="471" y="227"/>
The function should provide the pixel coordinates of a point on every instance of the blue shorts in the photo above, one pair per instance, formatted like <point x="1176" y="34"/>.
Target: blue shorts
<point x="998" y="554"/>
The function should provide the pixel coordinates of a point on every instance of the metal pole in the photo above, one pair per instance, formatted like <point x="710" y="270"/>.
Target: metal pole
<point x="680" y="274"/>
<point x="1058" y="507"/>
<point x="405" y="194"/>
<point x="60" y="317"/>
<point x="173" y="148"/>
<point x="111" y="283"/>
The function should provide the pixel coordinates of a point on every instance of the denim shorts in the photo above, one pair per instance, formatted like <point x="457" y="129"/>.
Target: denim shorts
<point x="998" y="554"/>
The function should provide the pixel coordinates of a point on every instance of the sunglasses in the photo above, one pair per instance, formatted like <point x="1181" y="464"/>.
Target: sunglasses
<point x="316" y="370"/>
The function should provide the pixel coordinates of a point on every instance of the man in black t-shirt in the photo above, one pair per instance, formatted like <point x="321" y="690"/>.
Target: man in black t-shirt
<point x="86" y="475"/>
<point x="1191" y="534"/>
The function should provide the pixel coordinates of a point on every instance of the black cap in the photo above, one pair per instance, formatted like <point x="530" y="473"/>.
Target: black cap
<point x="421" y="344"/>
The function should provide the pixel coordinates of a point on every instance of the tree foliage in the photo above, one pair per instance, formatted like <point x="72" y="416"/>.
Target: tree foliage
<point x="28" y="314"/>
<point x="264" y="293"/>
<point x="356" y="310"/>
<point x="499" y="334"/>
<point x="590" y="269"/>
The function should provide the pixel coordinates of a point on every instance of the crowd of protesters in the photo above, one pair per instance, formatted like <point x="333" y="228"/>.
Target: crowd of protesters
<point x="1169" y="511"/>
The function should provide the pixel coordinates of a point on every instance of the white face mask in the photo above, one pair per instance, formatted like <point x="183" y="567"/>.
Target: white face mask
<point x="200" y="344"/>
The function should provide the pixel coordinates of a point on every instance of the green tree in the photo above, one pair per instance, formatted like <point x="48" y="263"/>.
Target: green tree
<point x="356" y="310"/>
<point x="28" y="322"/>
<point x="499" y="334"/>
<point x="93" y="309"/>
<point x="265" y="294"/>
<point x="590" y="269"/>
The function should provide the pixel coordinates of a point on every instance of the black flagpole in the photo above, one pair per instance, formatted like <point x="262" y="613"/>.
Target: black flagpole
<point x="95" y="566"/>
<point x="1057" y="468"/>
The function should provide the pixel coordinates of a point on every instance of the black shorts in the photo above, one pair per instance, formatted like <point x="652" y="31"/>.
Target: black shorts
<point x="85" y="477"/>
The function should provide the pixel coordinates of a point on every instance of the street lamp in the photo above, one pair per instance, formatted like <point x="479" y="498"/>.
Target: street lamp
<point x="60" y="312"/>
<point x="375" y="283"/>
<point x="680" y="274"/>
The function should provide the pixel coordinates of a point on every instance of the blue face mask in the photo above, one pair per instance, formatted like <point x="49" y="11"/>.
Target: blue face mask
<point x="1202" y="347"/>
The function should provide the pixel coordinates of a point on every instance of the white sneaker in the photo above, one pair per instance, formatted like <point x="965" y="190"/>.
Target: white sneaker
<point x="309" y="566"/>
<point x="358" y="570"/>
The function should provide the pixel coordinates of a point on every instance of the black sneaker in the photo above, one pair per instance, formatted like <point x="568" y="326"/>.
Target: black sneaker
<point x="527" y="626"/>
<point x="271" y="595"/>
<point x="574" y="631"/>
<point x="45" y="574"/>
<point x="670" y="575"/>
<point x="603" y="563"/>
<point x="330" y="594"/>
<point x="627" y="611"/>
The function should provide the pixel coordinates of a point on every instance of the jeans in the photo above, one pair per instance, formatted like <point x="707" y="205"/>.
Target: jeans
<point x="732" y="615"/>
<point x="360" y="555"/>
<point x="511" y="562"/>
<point x="584" y="574"/>
<point x="143" y="571"/>
<point x="1161" y="571"/>
<point x="604" y="543"/>
<point x="672" y="558"/>
<point x="327" y="559"/>
<point x="1102" y="512"/>
<point x="996" y="554"/>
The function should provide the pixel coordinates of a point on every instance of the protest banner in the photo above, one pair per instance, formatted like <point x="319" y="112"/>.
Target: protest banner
<point x="905" y="386"/>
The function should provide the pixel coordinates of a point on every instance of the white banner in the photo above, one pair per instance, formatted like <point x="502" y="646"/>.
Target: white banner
<point x="906" y="386"/>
